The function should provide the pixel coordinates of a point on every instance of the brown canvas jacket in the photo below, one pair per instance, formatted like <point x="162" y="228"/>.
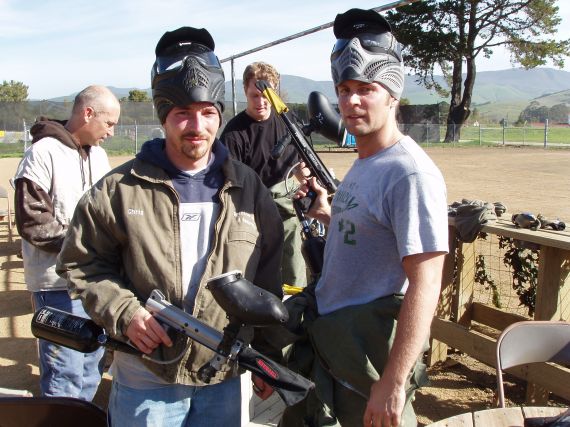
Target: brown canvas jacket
<point x="123" y="242"/>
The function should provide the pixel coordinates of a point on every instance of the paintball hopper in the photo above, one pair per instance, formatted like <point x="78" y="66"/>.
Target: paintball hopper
<point x="323" y="118"/>
<point x="246" y="302"/>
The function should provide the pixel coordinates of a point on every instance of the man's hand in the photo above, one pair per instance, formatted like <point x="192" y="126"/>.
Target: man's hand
<point x="302" y="172"/>
<point x="321" y="209"/>
<point x="146" y="333"/>
<point x="386" y="404"/>
<point x="261" y="388"/>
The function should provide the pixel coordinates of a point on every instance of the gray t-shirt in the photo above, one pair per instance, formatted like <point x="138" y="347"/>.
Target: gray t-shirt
<point x="388" y="206"/>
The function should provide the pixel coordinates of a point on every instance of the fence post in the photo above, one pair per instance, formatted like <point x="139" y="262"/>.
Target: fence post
<point x="545" y="132"/>
<point x="25" y="135"/>
<point x="136" y="137"/>
<point x="480" y="139"/>
<point x="234" y="99"/>
<point x="504" y="123"/>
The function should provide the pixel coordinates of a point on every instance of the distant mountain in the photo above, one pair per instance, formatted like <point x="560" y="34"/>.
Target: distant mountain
<point x="294" y="89"/>
<point x="546" y="85"/>
<point x="516" y="84"/>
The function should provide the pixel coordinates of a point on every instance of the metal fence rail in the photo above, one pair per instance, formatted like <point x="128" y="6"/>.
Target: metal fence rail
<point x="129" y="138"/>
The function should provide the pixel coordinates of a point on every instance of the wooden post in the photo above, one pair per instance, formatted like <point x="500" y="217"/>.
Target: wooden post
<point x="463" y="298"/>
<point x="456" y="298"/>
<point x="438" y="349"/>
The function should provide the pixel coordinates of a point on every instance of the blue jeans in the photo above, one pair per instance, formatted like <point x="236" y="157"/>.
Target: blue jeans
<point x="66" y="372"/>
<point x="176" y="405"/>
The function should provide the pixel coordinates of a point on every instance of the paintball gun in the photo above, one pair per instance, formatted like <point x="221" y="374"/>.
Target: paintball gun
<point x="244" y="303"/>
<point x="313" y="243"/>
<point x="303" y="147"/>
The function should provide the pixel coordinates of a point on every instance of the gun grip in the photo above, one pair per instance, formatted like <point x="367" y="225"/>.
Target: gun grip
<point x="306" y="202"/>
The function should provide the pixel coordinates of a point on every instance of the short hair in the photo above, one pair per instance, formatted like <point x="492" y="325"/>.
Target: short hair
<point x="94" y="96"/>
<point x="261" y="71"/>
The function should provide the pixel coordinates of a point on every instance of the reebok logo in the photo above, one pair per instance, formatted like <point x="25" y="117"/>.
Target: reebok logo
<point x="190" y="217"/>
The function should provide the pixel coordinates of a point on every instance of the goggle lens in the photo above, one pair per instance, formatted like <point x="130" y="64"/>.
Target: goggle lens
<point x="173" y="59"/>
<point x="373" y="43"/>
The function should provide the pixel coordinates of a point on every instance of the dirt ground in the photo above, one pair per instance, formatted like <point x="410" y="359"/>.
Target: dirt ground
<point x="523" y="179"/>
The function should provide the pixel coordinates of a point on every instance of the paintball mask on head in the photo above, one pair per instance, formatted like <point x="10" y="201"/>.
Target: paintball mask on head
<point x="186" y="70"/>
<point x="367" y="51"/>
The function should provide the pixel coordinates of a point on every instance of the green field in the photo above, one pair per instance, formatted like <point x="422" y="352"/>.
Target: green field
<point x="558" y="137"/>
<point x="515" y="135"/>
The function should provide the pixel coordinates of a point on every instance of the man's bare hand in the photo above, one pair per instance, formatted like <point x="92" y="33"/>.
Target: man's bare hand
<point x="302" y="173"/>
<point x="321" y="209"/>
<point x="385" y="406"/>
<point x="146" y="333"/>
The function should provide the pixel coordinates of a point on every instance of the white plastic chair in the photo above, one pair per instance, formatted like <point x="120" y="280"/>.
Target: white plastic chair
<point x="530" y="342"/>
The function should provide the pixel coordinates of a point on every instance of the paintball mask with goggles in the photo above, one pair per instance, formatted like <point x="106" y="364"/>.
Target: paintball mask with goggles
<point x="186" y="70"/>
<point x="367" y="51"/>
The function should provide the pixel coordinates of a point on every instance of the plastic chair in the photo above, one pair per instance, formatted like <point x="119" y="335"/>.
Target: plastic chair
<point x="530" y="342"/>
<point x="50" y="411"/>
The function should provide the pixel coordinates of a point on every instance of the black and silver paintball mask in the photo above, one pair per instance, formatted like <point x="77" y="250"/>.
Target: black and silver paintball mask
<point x="186" y="70"/>
<point x="367" y="51"/>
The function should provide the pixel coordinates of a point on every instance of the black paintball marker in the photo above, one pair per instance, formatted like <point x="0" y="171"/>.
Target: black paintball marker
<point x="244" y="303"/>
<point x="313" y="242"/>
<point x="303" y="147"/>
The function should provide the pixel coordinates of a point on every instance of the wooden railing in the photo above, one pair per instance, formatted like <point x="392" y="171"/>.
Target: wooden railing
<point x="457" y="303"/>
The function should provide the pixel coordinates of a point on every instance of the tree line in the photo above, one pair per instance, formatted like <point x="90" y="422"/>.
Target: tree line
<point x="535" y="112"/>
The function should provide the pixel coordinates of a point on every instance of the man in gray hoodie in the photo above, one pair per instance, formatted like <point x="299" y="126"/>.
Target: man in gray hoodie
<point x="64" y="161"/>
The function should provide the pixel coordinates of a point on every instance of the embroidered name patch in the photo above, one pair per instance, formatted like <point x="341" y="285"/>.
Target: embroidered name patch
<point x="138" y="212"/>
<point x="245" y="218"/>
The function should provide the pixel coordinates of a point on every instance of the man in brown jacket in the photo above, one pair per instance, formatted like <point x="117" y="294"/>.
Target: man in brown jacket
<point x="179" y="213"/>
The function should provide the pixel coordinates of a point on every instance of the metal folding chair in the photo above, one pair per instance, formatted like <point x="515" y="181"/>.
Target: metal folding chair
<point x="530" y="342"/>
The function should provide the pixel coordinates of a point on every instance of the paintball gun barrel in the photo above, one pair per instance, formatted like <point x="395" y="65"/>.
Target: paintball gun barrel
<point x="244" y="303"/>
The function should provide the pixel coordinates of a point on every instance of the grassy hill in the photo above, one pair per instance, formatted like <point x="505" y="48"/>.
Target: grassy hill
<point x="562" y="97"/>
<point x="495" y="111"/>
<point x="496" y="93"/>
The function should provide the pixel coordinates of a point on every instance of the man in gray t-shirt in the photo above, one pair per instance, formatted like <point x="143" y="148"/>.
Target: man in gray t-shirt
<point x="387" y="231"/>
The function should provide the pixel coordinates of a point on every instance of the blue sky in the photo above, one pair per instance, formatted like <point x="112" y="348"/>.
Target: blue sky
<point x="58" y="47"/>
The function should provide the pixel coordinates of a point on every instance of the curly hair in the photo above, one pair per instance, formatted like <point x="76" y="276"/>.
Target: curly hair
<point x="261" y="71"/>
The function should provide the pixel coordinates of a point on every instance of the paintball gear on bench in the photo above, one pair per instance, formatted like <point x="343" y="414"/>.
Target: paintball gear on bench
<point x="554" y="224"/>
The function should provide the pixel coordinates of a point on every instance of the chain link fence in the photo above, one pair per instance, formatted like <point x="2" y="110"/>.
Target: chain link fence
<point x="138" y="123"/>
